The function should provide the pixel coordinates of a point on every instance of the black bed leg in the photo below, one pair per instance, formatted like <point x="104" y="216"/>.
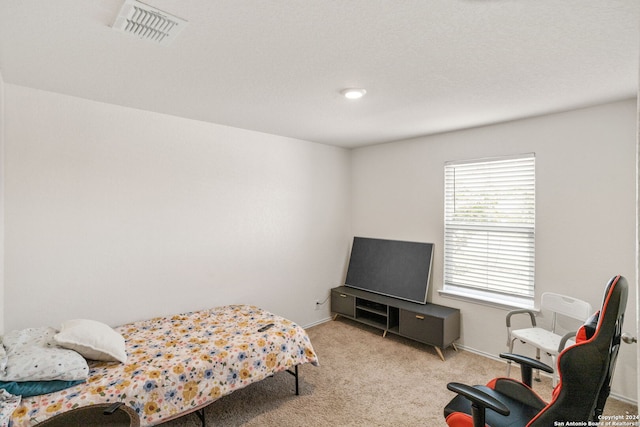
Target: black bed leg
<point x="295" y="374"/>
<point x="200" y="414"/>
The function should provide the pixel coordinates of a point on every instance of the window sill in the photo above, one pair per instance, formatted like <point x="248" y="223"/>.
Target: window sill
<point x="487" y="299"/>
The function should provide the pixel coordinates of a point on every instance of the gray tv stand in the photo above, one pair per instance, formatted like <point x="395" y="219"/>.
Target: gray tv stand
<point x="431" y="324"/>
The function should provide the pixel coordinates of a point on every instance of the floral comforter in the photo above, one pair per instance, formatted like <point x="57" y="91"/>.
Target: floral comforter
<point x="181" y="363"/>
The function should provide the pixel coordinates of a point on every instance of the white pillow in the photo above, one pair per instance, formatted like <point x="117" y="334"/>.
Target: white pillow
<point x="92" y="339"/>
<point x="32" y="355"/>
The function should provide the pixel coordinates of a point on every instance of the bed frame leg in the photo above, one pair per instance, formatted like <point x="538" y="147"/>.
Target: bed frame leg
<point x="295" y="374"/>
<point x="200" y="414"/>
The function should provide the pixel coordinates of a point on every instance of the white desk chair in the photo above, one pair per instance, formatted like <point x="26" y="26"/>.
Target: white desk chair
<point x="548" y="340"/>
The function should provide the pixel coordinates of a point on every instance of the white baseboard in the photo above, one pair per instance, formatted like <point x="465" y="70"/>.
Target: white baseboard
<point x="316" y="323"/>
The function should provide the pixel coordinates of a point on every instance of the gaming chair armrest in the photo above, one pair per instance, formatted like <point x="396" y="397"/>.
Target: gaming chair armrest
<point x="527" y="361"/>
<point x="480" y="401"/>
<point x="527" y="365"/>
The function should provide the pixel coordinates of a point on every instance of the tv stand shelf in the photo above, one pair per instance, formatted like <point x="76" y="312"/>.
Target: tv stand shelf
<point x="431" y="324"/>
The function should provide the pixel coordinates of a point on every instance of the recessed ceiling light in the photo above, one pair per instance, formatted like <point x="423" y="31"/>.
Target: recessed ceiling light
<point x="353" y="93"/>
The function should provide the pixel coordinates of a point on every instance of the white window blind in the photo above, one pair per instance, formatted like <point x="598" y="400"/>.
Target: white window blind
<point x="489" y="242"/>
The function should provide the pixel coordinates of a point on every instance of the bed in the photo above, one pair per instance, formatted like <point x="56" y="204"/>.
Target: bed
<point x="179" y="364"/>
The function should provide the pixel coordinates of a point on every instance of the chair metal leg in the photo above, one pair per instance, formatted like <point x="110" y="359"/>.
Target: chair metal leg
<point x="509" y="361"/>
<point x="538" y="370"/>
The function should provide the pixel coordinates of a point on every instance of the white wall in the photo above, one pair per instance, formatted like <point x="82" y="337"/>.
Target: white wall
<point x="585" y="208"/>
<point x="637" y="283"/>
<point x="118" y="214"/>
<point x="2" y="304"/>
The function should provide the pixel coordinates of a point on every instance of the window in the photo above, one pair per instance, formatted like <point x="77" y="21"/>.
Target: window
<point x="489" y="237"/>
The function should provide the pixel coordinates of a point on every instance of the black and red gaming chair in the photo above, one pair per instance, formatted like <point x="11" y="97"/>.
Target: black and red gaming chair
<point x="585" y="371"/>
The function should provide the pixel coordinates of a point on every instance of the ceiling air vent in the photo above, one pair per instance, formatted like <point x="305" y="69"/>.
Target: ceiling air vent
<point x="147" y="22"/>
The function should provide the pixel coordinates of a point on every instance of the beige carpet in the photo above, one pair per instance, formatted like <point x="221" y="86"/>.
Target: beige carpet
<point x="363" y="380"/>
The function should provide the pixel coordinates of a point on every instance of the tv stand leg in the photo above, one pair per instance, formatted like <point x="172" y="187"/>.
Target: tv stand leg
<point x="384" y="334"/>
<point x="439" y="353"/>
<point x="454" y="346"/>
<point x="335" y="316"/>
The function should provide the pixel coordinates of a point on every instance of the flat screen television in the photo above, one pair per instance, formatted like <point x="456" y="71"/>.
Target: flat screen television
<point x="391" y="267"/>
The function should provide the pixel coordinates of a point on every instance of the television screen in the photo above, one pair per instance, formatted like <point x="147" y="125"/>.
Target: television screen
<point x="390" y="267"/>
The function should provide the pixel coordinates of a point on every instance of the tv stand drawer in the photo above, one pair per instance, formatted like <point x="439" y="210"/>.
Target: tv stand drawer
<point x="421" y="327"/>
<point x="343" y="303"/>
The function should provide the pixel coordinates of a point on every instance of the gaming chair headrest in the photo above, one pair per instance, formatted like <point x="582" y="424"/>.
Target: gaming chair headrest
<point x="614" y="304"/>
<point x="615" y="300"/>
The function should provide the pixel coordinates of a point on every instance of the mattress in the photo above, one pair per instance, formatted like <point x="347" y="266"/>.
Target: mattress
<point x="182" y="363"/>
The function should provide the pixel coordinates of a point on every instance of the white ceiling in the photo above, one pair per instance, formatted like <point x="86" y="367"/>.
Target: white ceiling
<point x="277" y="66"/>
